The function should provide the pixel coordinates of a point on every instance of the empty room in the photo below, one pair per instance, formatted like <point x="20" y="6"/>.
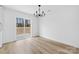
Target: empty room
<point x="39" y="29"/>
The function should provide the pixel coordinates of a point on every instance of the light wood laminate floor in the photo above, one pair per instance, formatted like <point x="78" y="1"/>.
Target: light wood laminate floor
<point x="37" y="45"/>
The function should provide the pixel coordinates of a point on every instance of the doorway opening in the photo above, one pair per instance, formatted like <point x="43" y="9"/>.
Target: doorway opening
<point x="23" y="28"/>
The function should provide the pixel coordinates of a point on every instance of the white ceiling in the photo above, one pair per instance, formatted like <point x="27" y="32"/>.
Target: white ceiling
<point x="32" y="8"/>
<point x="29" y="8"/>
<point x="23" y="8"/>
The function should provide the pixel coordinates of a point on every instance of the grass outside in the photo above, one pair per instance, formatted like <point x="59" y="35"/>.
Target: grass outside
<point x="20" y="30"/>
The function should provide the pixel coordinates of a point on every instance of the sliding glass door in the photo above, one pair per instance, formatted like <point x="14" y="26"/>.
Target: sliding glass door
<point x="27" y="26"/>
<point x="23" y="26"/>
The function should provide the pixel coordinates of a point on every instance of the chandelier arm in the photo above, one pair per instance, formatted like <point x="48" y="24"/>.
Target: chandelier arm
<point x="39" y="9"/>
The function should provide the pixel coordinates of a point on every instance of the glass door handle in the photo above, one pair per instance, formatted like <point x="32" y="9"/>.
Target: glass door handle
<point x="1" y="27"/>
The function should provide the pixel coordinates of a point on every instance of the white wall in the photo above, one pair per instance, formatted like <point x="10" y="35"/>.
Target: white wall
<point x="1" y="29"/>
<point x="62" y="25"/>
<point x="10" y="24"/>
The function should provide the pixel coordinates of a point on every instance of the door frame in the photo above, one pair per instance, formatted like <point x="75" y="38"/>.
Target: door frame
<point x="24" y="29"/>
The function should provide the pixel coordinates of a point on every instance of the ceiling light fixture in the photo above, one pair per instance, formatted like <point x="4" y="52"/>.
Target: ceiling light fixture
<point x="39" y="12"/>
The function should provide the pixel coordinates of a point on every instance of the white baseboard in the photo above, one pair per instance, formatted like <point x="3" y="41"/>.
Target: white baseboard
<point x="59" y="41"/>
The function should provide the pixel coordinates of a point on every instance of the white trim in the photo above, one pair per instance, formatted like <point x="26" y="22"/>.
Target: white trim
<point x="58" y="41"/>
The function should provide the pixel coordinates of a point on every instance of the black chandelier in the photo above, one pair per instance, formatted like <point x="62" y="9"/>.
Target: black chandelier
<point x="39" y="12"/>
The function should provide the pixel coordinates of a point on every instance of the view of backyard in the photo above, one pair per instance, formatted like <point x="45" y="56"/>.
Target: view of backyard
<point x="22" y="26"/>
